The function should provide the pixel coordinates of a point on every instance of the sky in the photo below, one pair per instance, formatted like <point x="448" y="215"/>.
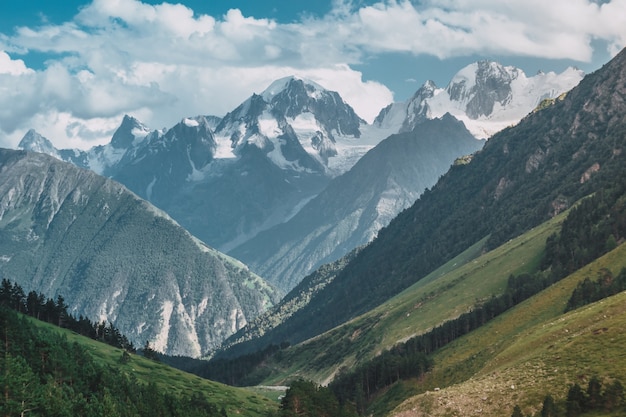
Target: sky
<point x="72" y="69"/>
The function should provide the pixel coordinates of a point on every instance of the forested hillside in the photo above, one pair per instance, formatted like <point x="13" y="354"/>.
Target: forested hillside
<point x="45" y="374"/>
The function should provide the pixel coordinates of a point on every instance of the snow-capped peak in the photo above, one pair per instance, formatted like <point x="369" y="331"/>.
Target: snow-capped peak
<point x="485" y="95"/>
<point x="130" y="132"/>
<point x="191" y="122"/>
<point x="282" y="84"/>
<point x="296" y="123"/>
<point x="34" y="142"/>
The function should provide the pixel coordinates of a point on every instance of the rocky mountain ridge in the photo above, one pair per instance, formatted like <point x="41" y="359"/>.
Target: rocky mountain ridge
<point x="68" y="231"/>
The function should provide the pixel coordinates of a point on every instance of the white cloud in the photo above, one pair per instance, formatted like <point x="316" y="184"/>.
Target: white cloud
<point x="163" y="62"/>
<point x="446" y="28"/>
<point x="12" y="67"/>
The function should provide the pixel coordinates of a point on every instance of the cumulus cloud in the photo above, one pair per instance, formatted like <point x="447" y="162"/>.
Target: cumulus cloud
<point x="12" y="67"/>
<point x="447" y="28"/>
<point x="164" y="62"/>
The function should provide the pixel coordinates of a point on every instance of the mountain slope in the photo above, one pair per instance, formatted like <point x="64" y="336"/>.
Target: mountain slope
<point x="523" y="176"/>
<point x="531" y="351"/>
<point x="533" y="347"/>
<point x="68" y="231"/>
<point x="354" y="206"/>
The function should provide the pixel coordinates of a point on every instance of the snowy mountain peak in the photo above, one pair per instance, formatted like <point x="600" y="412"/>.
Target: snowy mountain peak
<point x="481" y="73"/>
<point x="295" y="122"/>
<point x="481" y="85"/>
<point x="130" y="132"/>
<point x="286" y="83"/>
<point x="485" y="95"/>
<point x="34" y="142"/>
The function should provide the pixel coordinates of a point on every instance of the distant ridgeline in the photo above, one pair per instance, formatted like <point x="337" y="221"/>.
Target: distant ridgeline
<point x="55" y="312"/>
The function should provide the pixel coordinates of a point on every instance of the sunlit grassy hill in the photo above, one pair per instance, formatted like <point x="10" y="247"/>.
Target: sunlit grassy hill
<point x="236" y="401"/>
<point x="533" y="350"/>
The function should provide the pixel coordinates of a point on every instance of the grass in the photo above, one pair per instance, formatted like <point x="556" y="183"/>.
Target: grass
<point x="532" y="350"/>
<point x="236" y="401"/>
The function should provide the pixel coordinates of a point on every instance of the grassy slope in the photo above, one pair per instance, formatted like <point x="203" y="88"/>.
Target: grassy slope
<point x="446" y="293"/>
<point x="236" y="401"/>
<point x="532" y="350"/>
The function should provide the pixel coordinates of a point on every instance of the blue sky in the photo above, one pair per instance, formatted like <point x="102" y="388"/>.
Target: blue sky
<point x="72" y="69"/>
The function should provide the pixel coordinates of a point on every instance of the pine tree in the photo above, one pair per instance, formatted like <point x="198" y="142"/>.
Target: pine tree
<point x="613" y="396"/>
<point x="20" y="387"/>
<point x="517" y="411"/>
<point x="575" y="401"/>
<point x="549" y="407"/>
<point x="594" y="394"/>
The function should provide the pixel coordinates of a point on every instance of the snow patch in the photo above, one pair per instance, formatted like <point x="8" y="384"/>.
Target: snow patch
<point x="190" y="122"/>
<point x="224" y="147"/>
<point x="351" y="149"/>
<point x="196" y="174"/>
<point x="279" y="85"/>
<point x="268" y="125"/>
<point x="466" y="76"/>
<point x="160" y="340"/>
<point x="149" y="188"/>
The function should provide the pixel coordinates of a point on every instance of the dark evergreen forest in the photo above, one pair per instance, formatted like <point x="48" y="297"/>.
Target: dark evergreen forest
<point x="55" y="312"/>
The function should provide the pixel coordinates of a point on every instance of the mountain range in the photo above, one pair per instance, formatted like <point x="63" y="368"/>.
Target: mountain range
<point x="486" y="96"/>
<point x="253" y="175"/>
<point x="354" y="206"/>
<point x="523" y="176"/>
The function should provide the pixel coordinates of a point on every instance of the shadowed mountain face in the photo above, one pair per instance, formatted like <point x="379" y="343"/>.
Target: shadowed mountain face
<point x="523" y="176"/>
<point x="68" y="231"/>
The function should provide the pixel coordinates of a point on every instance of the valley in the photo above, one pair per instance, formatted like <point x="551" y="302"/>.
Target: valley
<point x="351" y="247"/>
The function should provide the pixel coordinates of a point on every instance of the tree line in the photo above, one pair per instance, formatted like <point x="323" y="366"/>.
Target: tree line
<point x="587" y="291"/>
<point x="357" y="386"/>
<point x="305" y="398"/>
<point x="55" y="312"/>
<point x="596" y="398"/>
